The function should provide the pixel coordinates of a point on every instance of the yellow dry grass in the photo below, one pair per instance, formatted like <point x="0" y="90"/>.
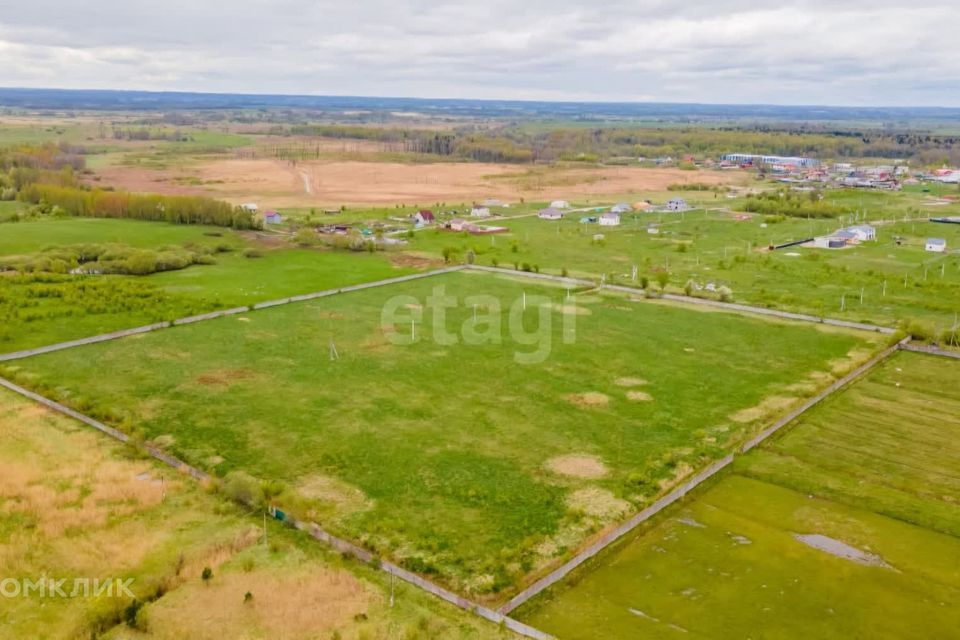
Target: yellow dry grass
<point x="578" y="466"/>
<point x="598" y="503"/>
<point x="590" y="399"/>
<point x="769" y="407"/>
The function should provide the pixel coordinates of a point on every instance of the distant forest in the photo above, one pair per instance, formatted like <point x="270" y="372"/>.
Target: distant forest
<point x="610" y="144"/>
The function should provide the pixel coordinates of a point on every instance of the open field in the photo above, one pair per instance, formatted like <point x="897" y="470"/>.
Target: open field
<point x="74" y="504"/>
<point x="449" y="456"/>
<point x="714" y="246"/>
<point x="869" y="479"/>
<point x="280" y="184"/>
<point x="45" y="309"/>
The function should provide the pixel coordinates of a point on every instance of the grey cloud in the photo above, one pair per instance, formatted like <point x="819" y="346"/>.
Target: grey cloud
<point x="809" y="51"/>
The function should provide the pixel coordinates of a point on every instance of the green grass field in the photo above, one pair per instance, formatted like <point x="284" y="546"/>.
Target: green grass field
<point x="453" y="457"/>
<point x="76" y="505"/>
<point x="897" y="281"/>
<point x="875" y="468"/>
<point x="39" y="310"/>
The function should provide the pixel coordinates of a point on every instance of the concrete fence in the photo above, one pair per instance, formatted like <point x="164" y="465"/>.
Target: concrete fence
<point x="213" y="315"/>
<point x="314" y="530"/>
<point x="607" y="539"/>
<point x="934" y="351"/>
<point x="823" y="395"/>
<point x="680" y="492"/>
<point x="728" y="306"/>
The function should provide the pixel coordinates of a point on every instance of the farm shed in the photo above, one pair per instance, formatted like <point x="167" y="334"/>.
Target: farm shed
<point x="560" y="204"/>
<point x="609" y="219"/>
<point x="272" y="217"/>
<point x="936" y="245"/>
<point x="620" y="208"/>
<point x="677" y="204"/>
<point x="550" y="213"/>
<point x="863" y="232"/>
<point x="480" y="212"/>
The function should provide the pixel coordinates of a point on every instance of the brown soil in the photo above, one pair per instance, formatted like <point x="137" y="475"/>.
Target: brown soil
<point x="578" y="466"/>
<point x="224" y="377"/>
<point x="274" y="183"/>
<point x="588" y="399"/>
<point x="639" y="396"/>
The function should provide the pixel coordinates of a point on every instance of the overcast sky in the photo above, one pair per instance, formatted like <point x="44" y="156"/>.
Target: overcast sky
<point x="857" y="52"/>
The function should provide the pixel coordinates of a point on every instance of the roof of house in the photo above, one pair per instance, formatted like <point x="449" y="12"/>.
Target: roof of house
<point x="861" y="227"/>
<point x="550" y="211"/>
<point x="937" y="241"/>
<point x="844" y="233"/>
<point x="426" y="214"/>
<point x="610" y="214"/>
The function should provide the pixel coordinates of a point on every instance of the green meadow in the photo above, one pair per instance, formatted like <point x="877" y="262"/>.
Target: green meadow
<point x="467" y="459"/>
<point x="707" y="246"/>
<point x="40" y="309"/>
<point x="76" y="505"/>
<point x="872" y="471"/>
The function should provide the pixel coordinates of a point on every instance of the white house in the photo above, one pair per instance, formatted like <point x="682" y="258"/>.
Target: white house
<point x="677" y="204"/>
<point x="550" y="213"/>
<point x="249" y="206"/>
<point x="863" y="232"/>
<point x="609" y="219"/>
<point x="480" y="212"/>
<point x="936" y="245"/>
<point x="559" y="204"/>
<point x="423" y="217"/>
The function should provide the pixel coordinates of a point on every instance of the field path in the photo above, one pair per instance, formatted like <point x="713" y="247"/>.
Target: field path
<point x="307" y="187"/>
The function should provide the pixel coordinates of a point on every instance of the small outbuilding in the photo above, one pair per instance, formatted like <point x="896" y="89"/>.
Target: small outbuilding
<point x="550" y="213"/>
<point x="272" y="217"/>
<point x="480" y="212"/>
<point x="620" y="208"/>
<point x="863" y="232"/>
<point x="936" y="245"/>
<point x="610" y="219"/>
<point x="559" y="204"/>
<point x="677" y="204"/>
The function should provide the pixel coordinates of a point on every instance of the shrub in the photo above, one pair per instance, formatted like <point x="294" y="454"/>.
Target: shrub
<point x="252" y="253"/>
<point x="243" y="488"/>
<point x="206" y="575"/>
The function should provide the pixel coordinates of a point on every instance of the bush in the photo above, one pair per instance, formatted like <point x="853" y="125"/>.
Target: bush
<point x="243" y="488"/>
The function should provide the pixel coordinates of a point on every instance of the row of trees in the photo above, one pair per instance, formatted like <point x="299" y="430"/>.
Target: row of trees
<point x="99" y="203"/>
<point x="794" y="205"/>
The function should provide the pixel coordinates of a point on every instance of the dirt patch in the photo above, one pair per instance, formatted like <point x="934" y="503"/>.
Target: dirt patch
<point x="842" y="550"/>
<point x="410" y="260"/>
<point x="342" y="495"/>
<point x="629" y="382"/>
<point x="598" y="503"/>
<point x="590" y="399"/>
<point x="639" y="396"/>
<point x="578" y="466"/>
<point x="224" y="377"/>
<point x="770" y="406"/>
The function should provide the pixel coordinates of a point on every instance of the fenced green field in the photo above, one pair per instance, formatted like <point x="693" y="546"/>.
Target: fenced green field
<point x="872" y="472"/>
<point x="458" y="459"/>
